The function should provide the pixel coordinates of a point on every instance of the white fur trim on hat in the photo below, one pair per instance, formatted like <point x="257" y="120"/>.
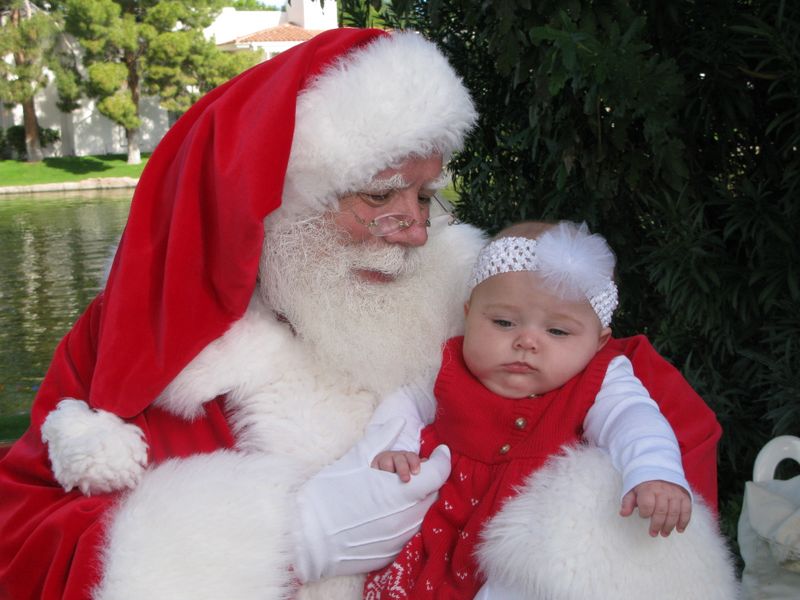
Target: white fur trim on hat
<point x="93" y="450"/>
<point x="395" y="97"/>
<point x="562" y="538"/>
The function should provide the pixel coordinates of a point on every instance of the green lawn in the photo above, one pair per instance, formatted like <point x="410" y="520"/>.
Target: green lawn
<point x="68" y="168"/>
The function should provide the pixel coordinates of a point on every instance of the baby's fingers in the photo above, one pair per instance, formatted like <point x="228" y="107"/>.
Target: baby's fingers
<point x="383" y="461"/>
<point x="685" y="515"/>
<point x="646" y="503"/>
<point x="671" y="517"/>
<point x="406" y="464"/>
<point x="401" y="467"/>
<point x="659" y="516"/>
<point x="414" y="462"/>
<point x="628" y="504"/>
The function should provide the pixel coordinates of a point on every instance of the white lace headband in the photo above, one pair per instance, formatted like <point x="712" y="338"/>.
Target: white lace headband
<point x="574" y="263"/>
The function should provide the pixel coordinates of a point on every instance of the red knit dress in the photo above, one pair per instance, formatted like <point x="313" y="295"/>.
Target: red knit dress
<point x="495" y="443"/>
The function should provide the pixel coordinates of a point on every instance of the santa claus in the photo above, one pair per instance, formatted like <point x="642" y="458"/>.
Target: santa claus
<point x="222" y="366"/>
<point x="280" y="271"/>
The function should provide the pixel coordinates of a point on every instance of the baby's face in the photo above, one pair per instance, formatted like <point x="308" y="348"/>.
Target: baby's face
<point x="520" y="339"/>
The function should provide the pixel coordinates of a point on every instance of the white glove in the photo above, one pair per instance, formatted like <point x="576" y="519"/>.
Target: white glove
<point x="353" y="518"/>
<point x="492" y="590"/>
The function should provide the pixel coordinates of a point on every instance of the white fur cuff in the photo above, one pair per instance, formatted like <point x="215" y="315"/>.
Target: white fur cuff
<point x="208" y="527"/>
<point x="562" y="538"/>
<point x="93" y="450"/>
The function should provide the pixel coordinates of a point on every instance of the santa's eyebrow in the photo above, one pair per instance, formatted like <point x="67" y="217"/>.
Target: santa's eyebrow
<point x="398" y="182"/>
<point x="395" y="182"/>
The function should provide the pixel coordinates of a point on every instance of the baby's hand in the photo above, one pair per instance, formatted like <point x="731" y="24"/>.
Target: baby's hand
<point x="668" y="506"/>
<point x="405" y="464"/>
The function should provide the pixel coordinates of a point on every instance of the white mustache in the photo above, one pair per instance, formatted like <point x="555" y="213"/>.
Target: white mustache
<point x="316" y="242"/>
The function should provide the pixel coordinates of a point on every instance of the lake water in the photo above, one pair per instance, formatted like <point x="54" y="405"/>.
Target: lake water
<point x="53" y="253"/>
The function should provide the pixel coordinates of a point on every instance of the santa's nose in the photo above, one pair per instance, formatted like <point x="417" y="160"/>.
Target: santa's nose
<point x="417" y="234"/>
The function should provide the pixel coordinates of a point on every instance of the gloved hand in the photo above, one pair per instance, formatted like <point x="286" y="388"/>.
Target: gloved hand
<point x="353" y="518"/>
<point x="493" y="590"/>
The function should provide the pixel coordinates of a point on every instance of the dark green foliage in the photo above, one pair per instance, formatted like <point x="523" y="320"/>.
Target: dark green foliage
<point x="26" y="41"/>
<point x="5" y="148"/>
<point x="382" y="15"/>
<point x="673" y="129"/>
<point x="181" y="69"/>
<point x="13" y="142"/>
<point x="67" y="77"/>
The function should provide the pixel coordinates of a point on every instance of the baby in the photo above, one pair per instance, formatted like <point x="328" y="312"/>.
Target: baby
<point x="534" y="372"/>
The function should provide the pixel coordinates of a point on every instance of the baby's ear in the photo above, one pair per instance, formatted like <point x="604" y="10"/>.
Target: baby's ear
<point x="605" y="335"/>
<point x="466" y="308"/>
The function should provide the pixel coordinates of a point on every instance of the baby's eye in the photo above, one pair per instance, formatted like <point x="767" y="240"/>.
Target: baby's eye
<point x="557" y="332"/>
<point x="502" y="323"/>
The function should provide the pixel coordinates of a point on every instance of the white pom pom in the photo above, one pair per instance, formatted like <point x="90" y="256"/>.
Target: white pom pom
<point x="93" y="450"/>
<point x="574" y="263"/>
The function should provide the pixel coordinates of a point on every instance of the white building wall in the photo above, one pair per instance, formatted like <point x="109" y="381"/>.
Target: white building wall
<point x="96" y="134"/>
<point x="232" y="23"/>
<point x="309" y="14"/>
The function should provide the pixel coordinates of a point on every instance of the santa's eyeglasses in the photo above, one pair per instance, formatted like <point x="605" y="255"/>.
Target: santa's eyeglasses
<point x="389" y="223"/>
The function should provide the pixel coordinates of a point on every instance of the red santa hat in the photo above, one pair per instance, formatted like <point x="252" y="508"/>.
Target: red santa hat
<point x="303" y="128"/>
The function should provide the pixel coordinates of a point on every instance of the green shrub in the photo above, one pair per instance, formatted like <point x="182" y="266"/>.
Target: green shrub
<point x="15" y="140"/>
<point x="5" y="148"/>
<point x="673" y="129"/>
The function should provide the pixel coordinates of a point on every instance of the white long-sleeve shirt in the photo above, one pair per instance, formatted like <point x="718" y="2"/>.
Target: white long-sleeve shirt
<point x="623" y="420"/>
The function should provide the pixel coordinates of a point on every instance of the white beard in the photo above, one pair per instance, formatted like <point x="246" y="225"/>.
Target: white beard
<point x="377" y="333"/>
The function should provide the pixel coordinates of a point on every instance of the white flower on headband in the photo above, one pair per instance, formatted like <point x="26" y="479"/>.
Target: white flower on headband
<point x="572" y="262"/>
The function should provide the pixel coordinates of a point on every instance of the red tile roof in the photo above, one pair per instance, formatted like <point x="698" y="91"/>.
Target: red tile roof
<point x="281" y="33"/>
